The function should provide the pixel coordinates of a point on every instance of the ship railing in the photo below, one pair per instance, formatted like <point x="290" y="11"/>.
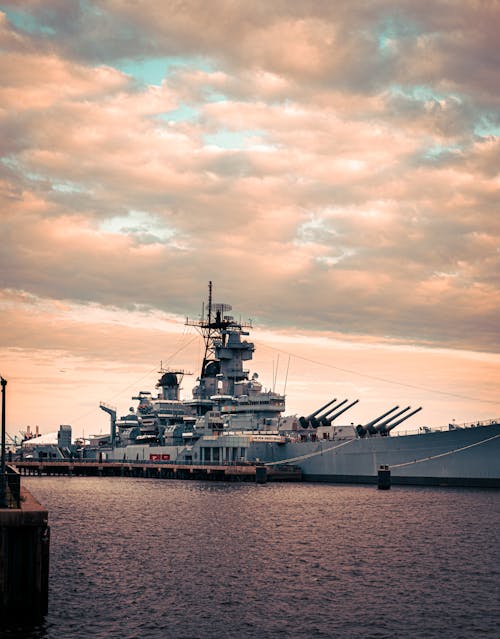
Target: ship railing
<point x="451" y="426"/>
<point x="141" y="462"/>
<point x="481" y="422"/>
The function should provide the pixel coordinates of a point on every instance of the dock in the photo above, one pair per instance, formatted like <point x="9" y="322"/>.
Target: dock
<point x="24" y="555"/>
<point x="236" y="472"/>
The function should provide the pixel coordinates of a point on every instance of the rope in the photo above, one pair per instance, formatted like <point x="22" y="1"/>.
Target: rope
<point x="415" y="461"/>
<point x="309" y="455"/>
<point x="450" y="452"/>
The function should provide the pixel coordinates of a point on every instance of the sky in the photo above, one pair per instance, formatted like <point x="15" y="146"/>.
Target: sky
<point x="332" y="167"/>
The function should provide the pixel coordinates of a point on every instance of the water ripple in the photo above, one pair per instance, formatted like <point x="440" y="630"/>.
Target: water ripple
<point x="134" y="558"/>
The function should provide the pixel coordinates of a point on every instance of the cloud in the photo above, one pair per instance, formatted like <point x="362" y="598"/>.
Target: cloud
<point x="328" y="165"/>
<point x="61" y="360"/>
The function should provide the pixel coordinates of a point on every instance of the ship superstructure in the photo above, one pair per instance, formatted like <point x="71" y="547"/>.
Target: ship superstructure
<point x="224" y="384"/>
<point x="224" y="398"/>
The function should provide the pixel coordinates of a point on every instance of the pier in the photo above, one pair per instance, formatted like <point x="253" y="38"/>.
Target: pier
<point x="24" y="554"/>
<point x="162" y="470"/>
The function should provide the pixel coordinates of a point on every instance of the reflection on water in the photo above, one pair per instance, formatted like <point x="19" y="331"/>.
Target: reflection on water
<point x="159" y="558"/>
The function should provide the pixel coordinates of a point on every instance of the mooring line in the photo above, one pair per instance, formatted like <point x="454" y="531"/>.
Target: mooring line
<point x="449" y="452"/>
<point x="308" y="455"/>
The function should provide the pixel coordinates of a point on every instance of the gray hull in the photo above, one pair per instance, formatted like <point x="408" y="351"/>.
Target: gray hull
<point x="465" y="457"/>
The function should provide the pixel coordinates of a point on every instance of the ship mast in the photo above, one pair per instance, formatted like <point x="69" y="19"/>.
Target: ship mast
<point x="207" y="328"/>
<point x="211" y="328"/>
<point x="215" y="327"/>
<point x="207" y="336"/>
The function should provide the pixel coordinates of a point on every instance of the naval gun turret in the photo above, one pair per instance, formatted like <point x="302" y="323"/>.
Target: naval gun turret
<point x="381" y="425"/>
<point x="312" y="419"/>
<point x="364" y="429"/>
<point x="378" y="427"/>
<point x="384" y="428"/>
<point x="331" y="418"/>
<point x="325" y="418"/>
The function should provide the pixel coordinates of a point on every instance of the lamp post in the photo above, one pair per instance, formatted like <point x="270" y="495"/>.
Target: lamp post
<point x="3" y="477"/>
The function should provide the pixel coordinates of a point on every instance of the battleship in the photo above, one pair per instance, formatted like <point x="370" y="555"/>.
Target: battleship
<point x="231" y="418"/>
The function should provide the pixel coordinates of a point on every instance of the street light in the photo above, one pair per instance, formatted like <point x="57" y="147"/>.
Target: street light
<point x="3" y="477"/>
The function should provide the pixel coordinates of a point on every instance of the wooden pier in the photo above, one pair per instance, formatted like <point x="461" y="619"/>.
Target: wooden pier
<point x="161" y="470"/>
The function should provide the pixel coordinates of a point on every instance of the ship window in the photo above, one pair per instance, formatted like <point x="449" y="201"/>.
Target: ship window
<point x="216" y="454"/>
<point x="243" y="452"/>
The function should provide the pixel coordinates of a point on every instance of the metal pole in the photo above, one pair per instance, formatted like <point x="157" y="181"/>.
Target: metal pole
<point x="3" y="485"/>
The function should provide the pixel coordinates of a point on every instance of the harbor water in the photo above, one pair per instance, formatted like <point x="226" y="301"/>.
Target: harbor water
<point x="143" y="558"/>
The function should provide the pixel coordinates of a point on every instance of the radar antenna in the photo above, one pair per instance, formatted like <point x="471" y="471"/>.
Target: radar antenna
<point x="215" y="328"/>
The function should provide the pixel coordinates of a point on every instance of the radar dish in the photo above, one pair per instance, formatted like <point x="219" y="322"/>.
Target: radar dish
<point x="222" y="308"/>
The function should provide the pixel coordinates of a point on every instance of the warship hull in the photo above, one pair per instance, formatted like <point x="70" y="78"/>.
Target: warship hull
<point x="464" y="457"/>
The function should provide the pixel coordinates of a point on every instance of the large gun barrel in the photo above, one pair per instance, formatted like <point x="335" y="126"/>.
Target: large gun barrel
<point x="319" y="419"/>
<point x="380" y="426"/>
<point x="311" y="419"/>
<point x="368" y="428"/>
<point x="404" y="418"/>
<point x="335" y="415"/>
<point x="324" y="421"/>
<point x="316" y="412"/>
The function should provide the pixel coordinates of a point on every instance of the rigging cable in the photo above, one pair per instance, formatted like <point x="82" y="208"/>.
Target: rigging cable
<point x="150" y="372"/>
<point x="382" y="379"/>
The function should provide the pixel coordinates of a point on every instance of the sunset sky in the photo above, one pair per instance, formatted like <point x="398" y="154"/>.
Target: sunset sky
<point x="333" y="168"/>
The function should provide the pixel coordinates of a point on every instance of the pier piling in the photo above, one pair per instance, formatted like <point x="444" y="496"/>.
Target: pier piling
<point x="384" y="478"/>
<point x="260" y="474"/>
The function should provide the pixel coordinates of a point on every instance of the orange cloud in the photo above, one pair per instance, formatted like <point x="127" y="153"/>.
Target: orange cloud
<point x="331" y="166"/>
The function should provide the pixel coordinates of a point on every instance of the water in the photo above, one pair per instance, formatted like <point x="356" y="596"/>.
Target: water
<point x="143" y="558"/>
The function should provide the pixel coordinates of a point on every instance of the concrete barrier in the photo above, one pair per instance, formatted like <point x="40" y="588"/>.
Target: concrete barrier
<point x="24" y="560"/>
